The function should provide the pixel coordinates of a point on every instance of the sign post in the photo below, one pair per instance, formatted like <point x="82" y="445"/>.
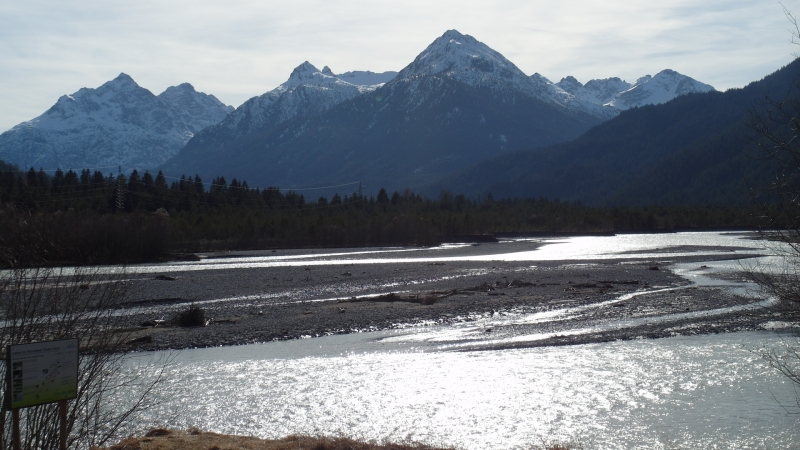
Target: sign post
<point x="40" y="373"/>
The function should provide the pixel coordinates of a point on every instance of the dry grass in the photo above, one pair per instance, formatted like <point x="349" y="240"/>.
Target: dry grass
<point x="194" y="439"/>
<point x="161" y="439"/>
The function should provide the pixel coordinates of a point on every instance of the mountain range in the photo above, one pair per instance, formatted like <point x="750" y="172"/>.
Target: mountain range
<point x="308" y="92"/>
<point x="457" y="104"/>
<point x="606" y="98"/>
<point x="118" y="123"/>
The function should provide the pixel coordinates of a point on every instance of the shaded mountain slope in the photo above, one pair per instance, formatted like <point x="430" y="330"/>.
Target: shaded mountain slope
<point x="306" y="93"/>
<point x="694" y="149"/>
<point x="458" y="103"/>
<point x="375" y="140"/>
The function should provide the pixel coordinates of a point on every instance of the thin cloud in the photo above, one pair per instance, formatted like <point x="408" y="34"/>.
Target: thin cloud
<point x="243" y="48"/>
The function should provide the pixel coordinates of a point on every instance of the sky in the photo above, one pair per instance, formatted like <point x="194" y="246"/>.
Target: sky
<point x="242" y="48"/>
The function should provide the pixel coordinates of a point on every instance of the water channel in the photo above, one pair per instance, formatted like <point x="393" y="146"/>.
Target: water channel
<point x="444" y="385"/>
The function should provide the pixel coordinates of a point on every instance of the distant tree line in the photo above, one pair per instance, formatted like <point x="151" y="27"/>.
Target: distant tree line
<point x="89" y="217"/>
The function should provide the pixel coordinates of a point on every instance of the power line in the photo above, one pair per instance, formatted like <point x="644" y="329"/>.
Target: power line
<point x="95" y="169"/>
<point x="304" y="207"/>
<point x="190" y="179"/>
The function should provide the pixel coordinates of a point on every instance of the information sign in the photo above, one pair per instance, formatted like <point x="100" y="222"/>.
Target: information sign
<point x="41" y="372"/>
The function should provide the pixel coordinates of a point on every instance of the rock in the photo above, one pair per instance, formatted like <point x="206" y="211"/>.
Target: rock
<point x="141" y="340"/>
<point x="152" y="323"/>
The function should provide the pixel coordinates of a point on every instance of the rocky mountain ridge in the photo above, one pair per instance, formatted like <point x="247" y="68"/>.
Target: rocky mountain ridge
<point x="606" y="98"/>
<point x="457" y="103"/>
<point x="121" y="123"/>
<point x="118" y="123"/>
<point x="307" y="92"/>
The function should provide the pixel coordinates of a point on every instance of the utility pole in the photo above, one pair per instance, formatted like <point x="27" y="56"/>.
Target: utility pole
<point x="121" y="192"/>
<point x="360" y="190"/>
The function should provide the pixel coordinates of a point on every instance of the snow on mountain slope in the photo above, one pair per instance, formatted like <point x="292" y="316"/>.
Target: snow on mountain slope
<point x="661" y="88"/>
<point x="196" y="109"/>
<point x="570" y="94"/>
<point x="463" y="58"/>
<point x="605" y="98"/>
<point x="458" y="102"/>
<point x="598" y="92"/>
<point x="308" y="91"/>
<point x="118" y="123"/>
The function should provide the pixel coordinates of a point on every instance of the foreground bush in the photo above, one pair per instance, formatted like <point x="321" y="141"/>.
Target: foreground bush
<point x="38" y="305"/>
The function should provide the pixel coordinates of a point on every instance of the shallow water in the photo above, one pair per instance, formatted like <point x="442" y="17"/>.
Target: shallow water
<point x="685" y="392"/>
<point x="420" y="384"/>
<point x="624" y="246"/>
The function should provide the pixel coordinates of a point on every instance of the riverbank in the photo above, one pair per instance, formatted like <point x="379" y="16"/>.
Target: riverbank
<point x="437" y="374"/>
<point x="192" y="439"/>
<point x="302" y="294"/>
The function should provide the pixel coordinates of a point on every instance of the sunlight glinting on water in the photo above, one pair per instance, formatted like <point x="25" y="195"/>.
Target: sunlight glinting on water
<point x="573" y="248"/>
<point x="694" y="392"/>
<point x="698" y="392"/>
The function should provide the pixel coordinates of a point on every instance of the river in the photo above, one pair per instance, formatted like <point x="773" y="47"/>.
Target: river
<point x="448" y="385"/>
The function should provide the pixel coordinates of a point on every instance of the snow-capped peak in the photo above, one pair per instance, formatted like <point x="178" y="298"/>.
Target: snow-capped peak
<point x="308" y="91"/>
<point x="116" y="123"/>
<point x="121" y="82"/>
<point x="305" y="74"/>
<point x="123" y="78"/>
<point x="605" y="98"/>
<point x="183" y="87"/>
<point x="464" y="58"/>
<point x="570" y="84"/>
<point x="598" y="92"/>
<point x="661" y="88"/>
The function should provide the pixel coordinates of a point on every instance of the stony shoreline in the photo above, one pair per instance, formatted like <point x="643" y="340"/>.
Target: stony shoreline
<point x="245" y="305"/>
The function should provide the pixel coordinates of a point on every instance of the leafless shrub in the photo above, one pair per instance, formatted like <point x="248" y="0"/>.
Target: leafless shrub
<point x="776" y="127"/>
<point x="50" y="304"/>
<point x="194" y="316"/>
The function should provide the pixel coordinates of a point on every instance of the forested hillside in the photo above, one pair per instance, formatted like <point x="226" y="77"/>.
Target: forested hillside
<point x="694" y="150"/>
<point x="88" y="217"/>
